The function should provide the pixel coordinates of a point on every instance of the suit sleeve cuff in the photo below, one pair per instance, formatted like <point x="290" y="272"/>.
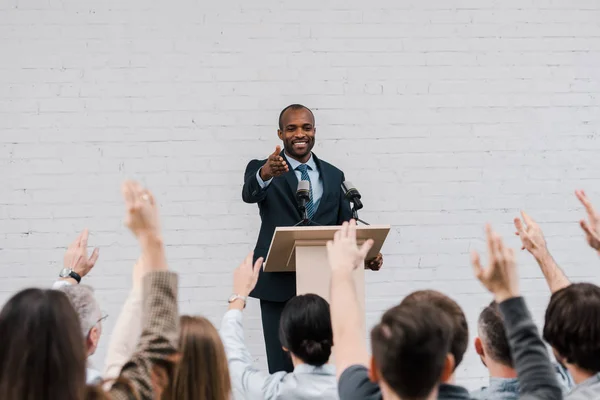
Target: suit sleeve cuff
<point x="262" y="183"/>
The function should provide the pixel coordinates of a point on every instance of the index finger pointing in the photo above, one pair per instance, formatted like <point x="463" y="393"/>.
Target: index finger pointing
<point x="84" y="237"/>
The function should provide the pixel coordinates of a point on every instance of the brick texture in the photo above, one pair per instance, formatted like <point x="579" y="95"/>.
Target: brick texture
<point x="446" y="113"/>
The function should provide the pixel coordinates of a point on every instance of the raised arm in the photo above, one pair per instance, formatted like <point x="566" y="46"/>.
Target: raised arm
<point x="347" y="319"/>
<point x="532" y="239"/>
<point x="149" y="369"/>
<point x="245" y="378"/>
<point x="537" y="379"/>
<point x="128" y="328"/>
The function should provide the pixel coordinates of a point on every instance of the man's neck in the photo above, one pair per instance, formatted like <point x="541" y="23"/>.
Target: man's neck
<point x="579" y="375"/>
<point x="498" y="370"/>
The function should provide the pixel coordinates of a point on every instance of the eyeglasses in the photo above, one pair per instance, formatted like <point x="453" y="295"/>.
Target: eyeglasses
<point x="102" y="318"/>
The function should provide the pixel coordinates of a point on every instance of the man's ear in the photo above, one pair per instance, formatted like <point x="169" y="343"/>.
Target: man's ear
<point x="449" y="366"/>
<point x="280" y="134"/>
<point x="94" y="335"/>
<point x="373" y="373"/>
<point x="479" y="347"/>
<point x="285" y="349"/>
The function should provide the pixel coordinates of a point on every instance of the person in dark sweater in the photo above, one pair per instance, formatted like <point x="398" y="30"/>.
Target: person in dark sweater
<point x="357" y="381"/>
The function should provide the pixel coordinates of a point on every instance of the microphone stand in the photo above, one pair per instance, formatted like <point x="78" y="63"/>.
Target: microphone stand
<point x="305" y="221"/>
<point x="355" y="215"/>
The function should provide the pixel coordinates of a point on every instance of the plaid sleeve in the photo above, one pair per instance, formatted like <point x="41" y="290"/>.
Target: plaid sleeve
<point x="158" y="342"/>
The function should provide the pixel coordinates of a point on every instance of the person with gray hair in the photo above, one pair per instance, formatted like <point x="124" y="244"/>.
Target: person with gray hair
<point x="90" y="318"/>
<point x="76" y="266"/>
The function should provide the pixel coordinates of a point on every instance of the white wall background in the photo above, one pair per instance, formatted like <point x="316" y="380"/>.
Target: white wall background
<point x="445" y="113"/>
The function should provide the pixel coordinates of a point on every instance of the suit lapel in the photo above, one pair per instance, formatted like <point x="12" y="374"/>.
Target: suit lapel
<point x="290" y="179"/>
<point x="328" y="186"/>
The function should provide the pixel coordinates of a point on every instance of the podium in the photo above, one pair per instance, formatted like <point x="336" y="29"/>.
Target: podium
<point x="304" y="250"/>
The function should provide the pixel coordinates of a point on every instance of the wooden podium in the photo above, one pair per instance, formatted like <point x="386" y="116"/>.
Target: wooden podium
<point x="304" y="250"/>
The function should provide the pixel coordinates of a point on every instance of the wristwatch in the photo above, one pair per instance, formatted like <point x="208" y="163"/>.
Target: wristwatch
<point x="69" y="273"/>
<point x="234" y="297"/>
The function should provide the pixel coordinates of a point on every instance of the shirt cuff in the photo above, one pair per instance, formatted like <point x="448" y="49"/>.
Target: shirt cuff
<point x="59" y="284"/>
<point x="262" y="183"/>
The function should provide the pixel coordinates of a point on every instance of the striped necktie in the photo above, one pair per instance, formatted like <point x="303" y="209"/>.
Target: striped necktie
<point x="310" y="206"/>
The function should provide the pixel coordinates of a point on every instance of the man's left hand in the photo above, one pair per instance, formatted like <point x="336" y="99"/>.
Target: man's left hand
<point x="375" y="263"/>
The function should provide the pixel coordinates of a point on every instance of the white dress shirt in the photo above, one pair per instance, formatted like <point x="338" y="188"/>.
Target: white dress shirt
<point x="313" y="173"/>
<point x="307" y="382"/>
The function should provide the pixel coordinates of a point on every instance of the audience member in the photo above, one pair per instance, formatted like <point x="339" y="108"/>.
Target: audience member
<point x="494" y="350"/>
<point x="357" y="382"/>
<point x="459" y="338"/>
<point x="201" y="372"/>
<point x="572" y="322"/>
<point x="305" y="332"/>
<point x="90" y="319"/>
<point x="43" y="355"/>
<point x="76" y="265"/>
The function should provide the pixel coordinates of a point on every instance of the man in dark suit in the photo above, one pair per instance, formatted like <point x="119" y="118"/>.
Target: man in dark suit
<point x="272" y="183"/>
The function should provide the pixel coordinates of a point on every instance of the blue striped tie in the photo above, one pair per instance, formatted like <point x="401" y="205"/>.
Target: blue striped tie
<point x="310" y="206"/>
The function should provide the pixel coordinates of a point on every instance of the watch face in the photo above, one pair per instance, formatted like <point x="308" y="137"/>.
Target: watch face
<point x="64" y="273"/>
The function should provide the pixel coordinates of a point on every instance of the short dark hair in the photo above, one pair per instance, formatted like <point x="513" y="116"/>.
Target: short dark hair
<point x="493" y="335"/>
<point x="410" y="346"/>
<point x="460" y="335"/>
<point x="41" y="338"/>
<point x="293" y="107"/>
<point x="305" y="329"/>
<point x="572" y="325"/>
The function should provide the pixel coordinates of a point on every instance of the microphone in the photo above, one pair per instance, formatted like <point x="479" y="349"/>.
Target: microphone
<point x="351" y="194"/>
<point x="303" y="196"/>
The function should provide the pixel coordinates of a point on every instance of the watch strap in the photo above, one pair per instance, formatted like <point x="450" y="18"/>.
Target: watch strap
<point x="75" y="276"/>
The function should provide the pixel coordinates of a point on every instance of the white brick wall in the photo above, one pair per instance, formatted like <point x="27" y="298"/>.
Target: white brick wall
<point x="445" y="113"/>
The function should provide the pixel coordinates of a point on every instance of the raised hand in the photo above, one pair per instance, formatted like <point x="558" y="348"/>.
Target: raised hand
<point x="591" y="228"/>
<point x="343" y="252"/>
<point x="275" y="166"/>
<point x="532" y="237"/>
<point x="76" y="256"/>
<point x="246" y="275"/>
<point x="500" y="277"/>
<point x="142" y="212"/>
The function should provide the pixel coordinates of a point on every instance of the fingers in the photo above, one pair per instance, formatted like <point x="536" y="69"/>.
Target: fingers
<point x="344" y="231"/>
<point x="84" y="238"/>
<point x="352" y="231"/>
<point x="490" y="239"/>
<point x="257" y="266"/>
<point x="528" y="220"/>
<point x="128" y="194"/>
<point x="586" y="228"/>
<point x="365" y="248"/>
<point x="277" y="151"/>
<point x="588" y="206"/>
<point x="476" y="262"/>
<point x="94" y="256"/>
<point x="519" y="227"/>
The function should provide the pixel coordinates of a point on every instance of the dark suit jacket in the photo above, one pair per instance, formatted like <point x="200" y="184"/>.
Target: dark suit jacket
<point x="278" y="207"/>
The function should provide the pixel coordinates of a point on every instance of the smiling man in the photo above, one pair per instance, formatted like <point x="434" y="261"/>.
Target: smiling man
<point x="272" y="184"/>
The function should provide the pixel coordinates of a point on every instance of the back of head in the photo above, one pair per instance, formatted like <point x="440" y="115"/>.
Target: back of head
<point x="305" y="329"/>
<point x="84" y="302"/>
<point x="42" y="355"/>
<point x="410" y="347"/>
<point x="572" y="325"/>
<point x="493" y="335"/>
<point x="460" y="328"/>
<point x="202" y="372"/>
